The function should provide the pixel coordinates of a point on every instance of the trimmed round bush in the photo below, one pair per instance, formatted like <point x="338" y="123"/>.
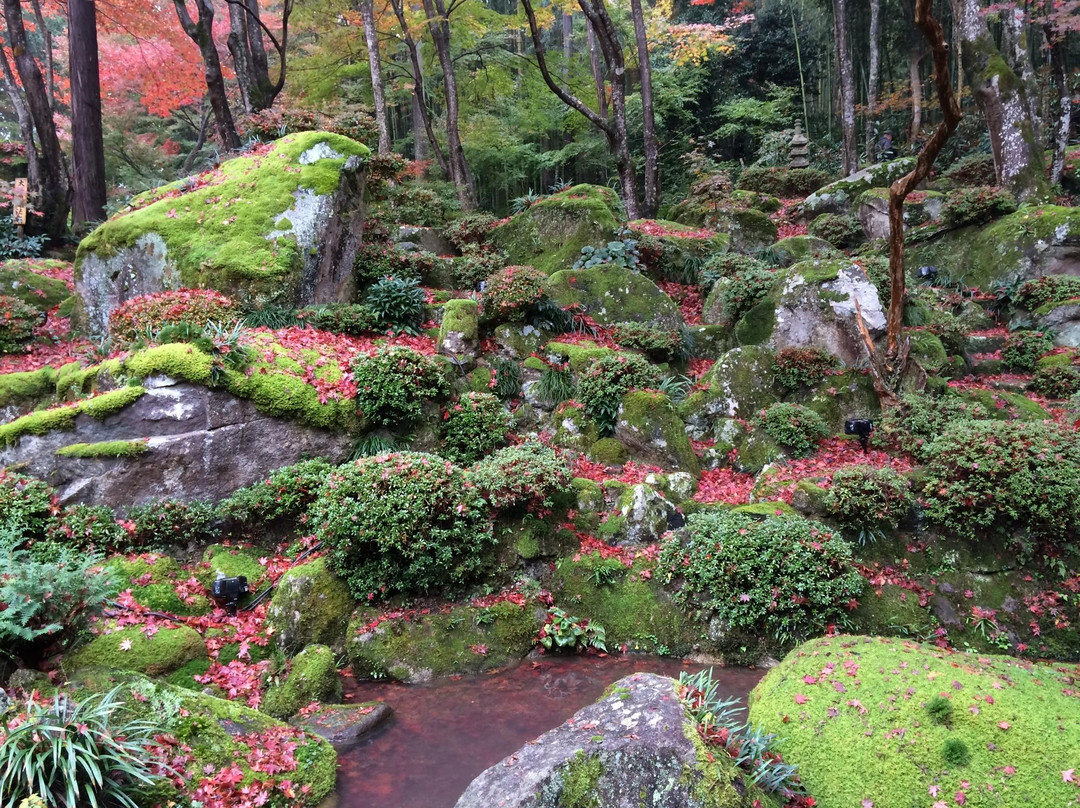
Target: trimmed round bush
<point x="91" y="527"/>
<point x="152" y="312"/>
<point x="1060" y="381"/>
<point x="511" y="292"/>
<point x="17" y="322"/>
<point x="742" y="291"/>
<point x="284" y="495"/>
<point x="985" y="477"/>
<point x="920" y="419"/>
<point x="973" y="169"/>
<point x="472" y="230"/>
<point x="27" y="505"/>
<point x="796" y="368"/>
<point x="393" y="383"/>
<point x="976" y="205"/>
<point x="1023" y="349"/>
<point x="524" y="477"/>
<point x="785" y="575"/>
<point x="405" y="522"/>
<point x="170" y="521"/>
<point x="605" y="382"/>
<point x="475" y="425"/>
<point x="866" y="498"/>
<point x="794" y="427"/>
<point x="839" y="229"/>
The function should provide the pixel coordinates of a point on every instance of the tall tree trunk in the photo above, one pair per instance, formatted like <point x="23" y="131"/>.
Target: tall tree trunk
<point x="420" y="106"/>
<point x="439" y="25"/>
<point x="874" y="78"/>
<point x="1015" y="45"/>
<point x="651" y="203"/>
<point x="597" y="72"/>
<point x="849" y="154"/>
<point x="567" y="42"/>
<point x="201" y="33"/>
<point x="419" y="117"/>
<point x="1063" y="124"/>
<point x="246" y="32"/>
<point x="999" y="92"/>
<point x="55" y="186"/>
<point x="200" y="138"/>
<point x="47" y="51"/>
<point x="915" y="78"/>
<point x="26" y="125"/>
<point x="87" y="145"/>
<point x="240" y="49"/>
<point x="371" y="37"/>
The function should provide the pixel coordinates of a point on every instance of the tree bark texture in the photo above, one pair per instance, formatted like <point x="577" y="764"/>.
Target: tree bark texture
<point x="26" y="125"/>
<point x="201" y="33"/>
<point x="651" y="202"/>
<point x="439" y="26"/>
<point x="87" y="144"/>
<point x="915" y="79"/>
<point x="420" y="107"/>
<point x="849" y="155"/>
<point x="597" y="71"/>
<point x="371" y="37"/>
<point x="54" y="198"/>
<point x="1063" y="123"/>
<point x="248" y="48"/>
<point x="874" y="78"/>
<point x="1000" y="94"/>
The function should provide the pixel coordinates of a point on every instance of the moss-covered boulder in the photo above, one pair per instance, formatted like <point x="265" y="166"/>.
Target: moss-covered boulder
<point x="572" y="428"/>
<point x="793" y="249"/>
<point x="21" y="392"/>
<point x="310" y="605"/>
<point x="458" y="332"/>
<point x="839" y="196"/>
<point x="734" y="389"/>
<point x="650" y="428"/>
<point x="671" y="250"/>
<point x="132" y="649"/>
<point x="549" y="235"/>
<point x="281" y="224"/>
<point x="517" y="341"/>
<point x="636" y="746"/>
<point x="748" y="229"/>
<point x="312" y="677"/>
<point x="1032" y="242"/>
<point x="417" y="647"/>
<point x="875" y="721"/>
<point x="1063" y="321"/>
<point x="641" y="515"/>
<point x="612" y="294"/>
<point x="872" y="208"/>
<point x="21" y="279"/>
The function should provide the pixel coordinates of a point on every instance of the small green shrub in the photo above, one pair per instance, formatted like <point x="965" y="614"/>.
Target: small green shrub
<point x="785" y="575"/>
<point x="84" y="754"/>
<point x="976" y="205"/>
<point x="624" y="253"/>
<point x="475" y="425"/>
<point x="401" y="523"/>
<point x="47" y="603"/>
<point x="13" y="245"/>
<point x="398" y="303"/>
<point x="508" y="377"/>
<point x="88" y="527"/>
<point x="972" y="169"/>
<point x="418" y="206"/>
<point x="659" y="344"/>
<point x="169" y="521"/>
<point x="511" y="293"/>
<point x="284" y="495"/>
<point x="472" y="230"/>
<point x="920" y="419"/>
<point x="987" y="477"/>
<point x="17" y="322"/>
<point x="841" y="230"/>
<point x="742" y="291"/>
<point x="797" y="368"/>
<point x="151" y="313"/>
<point x="556" y="385"/>
<point x="561" y="632"/>
<point x="380" y="259"/>
<point x="27" y="505"/>
<point x="939" y="709"/>
<point x="793" y="426"/>
<point x="475" y="266"/>
<point x="868" y="499"/>
<point x="1059" y="381"/>
<point x="727" y="265"/>
<point x="1036" y="293"/>
<point x="607" y="380"/>
<point x="956" y="753"/>
<point x="393" y="383"/>
<point x="525" y="477"/>
<point x="1023" y="349"/>
<point x="354" y="319"/>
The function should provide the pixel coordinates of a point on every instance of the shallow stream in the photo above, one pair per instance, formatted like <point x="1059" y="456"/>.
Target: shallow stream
<point x="444" y="734"/>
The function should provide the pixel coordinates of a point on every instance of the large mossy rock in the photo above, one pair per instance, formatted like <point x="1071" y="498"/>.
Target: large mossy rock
<point x="549" y="235"/>
<point x="793" y="249"/>
<point x="840" y="196"/>
<point x="21" y="279"/>
<point x="130" y="649"/>
<point x="418" y="647"/>
<point x="1030" y="243"/>
<point x="736" y="386"/>
<point x="612" y="294"/>
<point x="310" y="605"/>
<point x="312" y="677"/>
<point x="634" y="747"/>
<point x="650" y="428"/>
<point x="282" y="224"/>
<point x="670" y="248"/>
<point x="852" y="714"/>
<point x="872" y="208"/>
<point x="170" y="438"/>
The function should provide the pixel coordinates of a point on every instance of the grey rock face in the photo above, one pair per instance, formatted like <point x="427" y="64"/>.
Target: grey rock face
<point x="203" y="444"/>
<point x="634" y="747"/>
<point x="344" y="724"/>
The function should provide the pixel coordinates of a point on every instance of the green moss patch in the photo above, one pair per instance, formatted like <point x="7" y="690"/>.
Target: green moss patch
<point x="310" y="605"/>
<point x="231" y="562"/>
<point x="130" y="649"/>
<point x="18" y="279"/>
<point x="63" y="418"/>
<point x="105" y="449"/>
<point x="612" y="294"/>
<point x="26" y="387"/>
<point x="312" y="677"/>
<point x="852" y="715"/>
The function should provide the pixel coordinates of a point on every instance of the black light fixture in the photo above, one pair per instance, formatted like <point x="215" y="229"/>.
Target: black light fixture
<point x="861" y="427"/>
<point x="228" y="591"/>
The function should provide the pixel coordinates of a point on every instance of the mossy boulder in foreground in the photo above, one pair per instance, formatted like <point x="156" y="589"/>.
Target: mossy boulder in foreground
<point x="892" y="723"/>
<point x="280" y="224"/>
<point x="130" y="649"/>
<point x="612" y="294"/>
<point x="636" y="746"/>
<point x="310" y="605"/>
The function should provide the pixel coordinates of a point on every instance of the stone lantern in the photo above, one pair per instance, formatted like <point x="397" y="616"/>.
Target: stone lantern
<point x="800" y="151"/>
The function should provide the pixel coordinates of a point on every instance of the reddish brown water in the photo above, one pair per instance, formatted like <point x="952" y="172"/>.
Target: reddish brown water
<point x="443" y="735"/>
